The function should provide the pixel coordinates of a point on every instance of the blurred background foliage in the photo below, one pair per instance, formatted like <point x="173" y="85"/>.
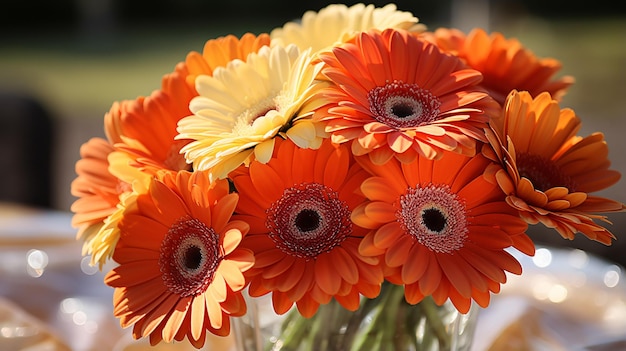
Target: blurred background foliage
<point x="73" y="58"/>
<point x="80" y="55"/>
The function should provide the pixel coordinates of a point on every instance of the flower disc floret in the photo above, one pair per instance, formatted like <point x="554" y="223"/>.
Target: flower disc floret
<point x="308" y="220"/>
<point x="435" y="217"/>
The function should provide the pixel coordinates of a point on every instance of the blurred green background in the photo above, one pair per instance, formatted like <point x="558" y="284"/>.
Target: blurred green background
<point x="75" y="57"/>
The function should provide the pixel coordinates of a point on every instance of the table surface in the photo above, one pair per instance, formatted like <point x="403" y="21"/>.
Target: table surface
<point x="52" y="299"/>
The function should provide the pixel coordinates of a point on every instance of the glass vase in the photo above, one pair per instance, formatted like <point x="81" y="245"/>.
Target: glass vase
<point x="384" y="323"/>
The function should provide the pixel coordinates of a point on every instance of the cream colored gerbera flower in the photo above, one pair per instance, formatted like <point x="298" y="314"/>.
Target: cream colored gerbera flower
<point x="102" y="245"/>
<point x="242" y="107"/>
<point x="334" y="23"/>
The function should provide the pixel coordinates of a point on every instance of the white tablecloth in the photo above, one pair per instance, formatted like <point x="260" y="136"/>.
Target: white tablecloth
<point x="52" y="300"/>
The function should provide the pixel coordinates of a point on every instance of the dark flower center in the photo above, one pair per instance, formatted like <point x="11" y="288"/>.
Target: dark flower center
<point x="433" y="219"/>
<point x="401" y="105"/>
<point x="308" y="220"/>
<point x="402" y="110"/>
<point x="543" y="173"/>
<point x="433" y="216"/>
<point x="190" y="256"/>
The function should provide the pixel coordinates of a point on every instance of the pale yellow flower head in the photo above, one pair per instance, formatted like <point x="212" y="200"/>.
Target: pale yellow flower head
<point x="243" y="106"/>
<point x="336" y="22"/>
<point x="102" y="244"/>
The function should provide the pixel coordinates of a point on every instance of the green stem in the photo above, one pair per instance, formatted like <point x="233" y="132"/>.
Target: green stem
<point x="380" y="331"/>
<point x="324" y="326"/>
<point x="434" y="322"/>
<point x="366" y="339"/>
<point x="400" y="325"/>
<point x="387" y="322"/>
<point x="389" y="325"/>
<point x="294" y="329"/>
<point x="354" y="322"/>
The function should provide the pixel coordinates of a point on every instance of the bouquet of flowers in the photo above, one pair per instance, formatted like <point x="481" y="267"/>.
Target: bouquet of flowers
<point x="351" y="156"/>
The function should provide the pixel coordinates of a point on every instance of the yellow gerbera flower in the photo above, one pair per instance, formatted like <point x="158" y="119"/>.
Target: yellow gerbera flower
<point x="242" y="107"/>
<point x="96" y="189"/>
<point x="332" y="24"/>
<point x="140" y="142"/>
<point x="101" y="247"/>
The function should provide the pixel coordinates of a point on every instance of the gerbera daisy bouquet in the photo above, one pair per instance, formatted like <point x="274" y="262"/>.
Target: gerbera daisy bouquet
<point x="352" y="171"/>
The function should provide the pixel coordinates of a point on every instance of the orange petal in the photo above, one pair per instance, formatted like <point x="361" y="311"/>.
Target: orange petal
<point x="281" y="302"/>
<point x="380" y="212"/>
<point x="307" y="307"/>
<point x="398" y="254"/>
<point x="413" y="293"/>
<point x="214" y="311"/>
<point x="232" y="275"/>
<point x="359" y="218"/>
<point x="197" y="316"/>
<point x="368" y="248"/>
<point x="378" y="189"/>
<point x="344" y="265"/>
<point x="455" y="274"/>
<point x="415" y="265"/>
<point x="325" y="276"/>
<point x="176" y="318"/>
<point x="223" y="211"/>
<point x="387" y="235"/>
<point x="399" y="142"/>
<point x="431" y="278"/>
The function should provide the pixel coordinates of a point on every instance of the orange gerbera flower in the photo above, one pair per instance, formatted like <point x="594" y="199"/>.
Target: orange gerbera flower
<point x="548" y="171"/>
<point x="388" y="104"/>
<point x="217" y="53"/>
<point x="146" y="127"/>
<point x="141" y="142"/>
<point x="102" y="186"/>
<point x="505" y="63"/>
<point x="180" y="267"/>
<point x="442" y="228"/>
<point x="298" y="206"/>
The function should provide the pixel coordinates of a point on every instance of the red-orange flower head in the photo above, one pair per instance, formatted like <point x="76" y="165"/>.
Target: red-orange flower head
<point x="505" y="63"/>
<point x="298" y="206"/>
<point x="181" y="268"/>
<point x="547" y="171"/>
<point x="395" y="94"/>
<point x="441" y="228"/>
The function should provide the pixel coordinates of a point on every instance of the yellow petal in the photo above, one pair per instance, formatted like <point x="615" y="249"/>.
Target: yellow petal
<point x="263" y="151"/>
